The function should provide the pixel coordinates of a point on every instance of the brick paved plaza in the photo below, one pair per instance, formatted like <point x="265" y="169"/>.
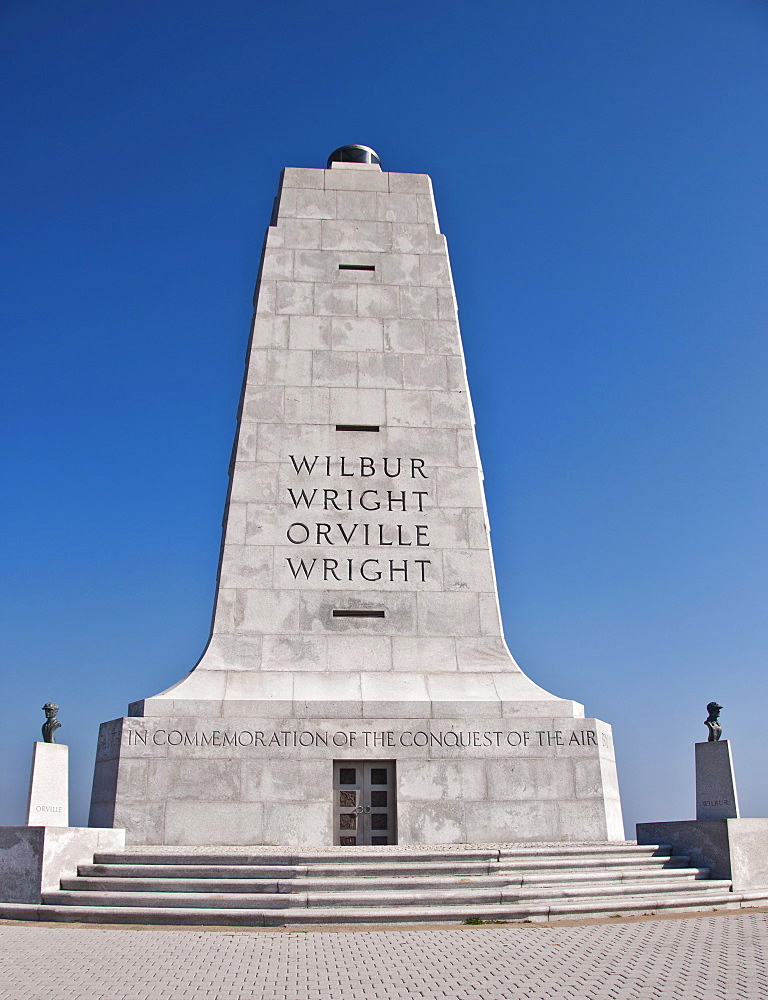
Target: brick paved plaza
<point x="698" y="958"/>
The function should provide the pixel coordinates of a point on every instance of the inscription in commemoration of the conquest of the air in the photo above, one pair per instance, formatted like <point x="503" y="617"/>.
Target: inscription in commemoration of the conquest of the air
<point x="341" y="517"/>
<point x="515" y="741"/>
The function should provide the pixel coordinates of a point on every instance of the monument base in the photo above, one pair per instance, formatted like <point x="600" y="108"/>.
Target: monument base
<point x="217" y="780"/>
<point x="33" y="859"/>
<point x="735" y="849"/>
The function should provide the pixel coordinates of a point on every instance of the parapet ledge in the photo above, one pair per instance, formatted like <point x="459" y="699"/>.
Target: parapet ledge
<point x="356" y="694"/>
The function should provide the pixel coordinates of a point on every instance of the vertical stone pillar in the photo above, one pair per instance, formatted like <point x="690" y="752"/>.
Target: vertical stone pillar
<point x="716" y="796"/>
<point x="49" y="786"/>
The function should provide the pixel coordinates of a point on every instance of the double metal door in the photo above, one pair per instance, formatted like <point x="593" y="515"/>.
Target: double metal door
<point x="364" y="802"/>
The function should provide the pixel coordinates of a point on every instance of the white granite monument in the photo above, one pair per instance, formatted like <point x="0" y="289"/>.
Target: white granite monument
<point x="356" y="688"/>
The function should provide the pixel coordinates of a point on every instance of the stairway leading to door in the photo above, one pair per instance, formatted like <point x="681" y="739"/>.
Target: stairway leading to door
<point x="279" y="887"/>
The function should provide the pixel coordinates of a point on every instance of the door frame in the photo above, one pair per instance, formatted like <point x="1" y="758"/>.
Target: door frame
<point x="359" y="798"/>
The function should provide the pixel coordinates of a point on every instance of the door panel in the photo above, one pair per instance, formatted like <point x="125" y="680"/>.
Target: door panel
<point x="364" y="802"/>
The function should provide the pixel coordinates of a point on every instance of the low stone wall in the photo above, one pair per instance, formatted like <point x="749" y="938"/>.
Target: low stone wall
<point x="735" y="849"/>
<point x="34" y="858"/>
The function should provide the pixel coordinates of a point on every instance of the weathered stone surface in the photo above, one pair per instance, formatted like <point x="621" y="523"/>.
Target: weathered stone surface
<point x="356" y="591"/>
<point x="194" y="780"/>
<point x="33" y="859"/>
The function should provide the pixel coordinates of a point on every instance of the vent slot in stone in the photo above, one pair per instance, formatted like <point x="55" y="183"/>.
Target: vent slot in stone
<point x="357" y="613"/>
<point x="357" y="267"/>
<point x="357" y="427"/>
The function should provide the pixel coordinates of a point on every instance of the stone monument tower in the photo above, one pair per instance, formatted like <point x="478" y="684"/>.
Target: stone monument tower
<point x="356" y="688"/>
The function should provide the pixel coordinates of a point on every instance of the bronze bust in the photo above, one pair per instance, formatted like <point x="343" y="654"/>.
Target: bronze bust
<point x="51" y="723"/>
<point x="712" y="723"/>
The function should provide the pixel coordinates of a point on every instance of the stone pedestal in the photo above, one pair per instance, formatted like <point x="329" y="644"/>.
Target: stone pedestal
<point x="716" y="796"/>
<point x="736" y="849"/>
<point x="48" y="803"/>
<point x="218" y="780"/>
<point x="33" y="859"/>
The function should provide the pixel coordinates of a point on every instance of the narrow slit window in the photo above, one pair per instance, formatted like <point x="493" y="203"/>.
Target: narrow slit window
<point x="357" y="613"/>
<point x="358" y="427"/>
<point x="357" y="267"/>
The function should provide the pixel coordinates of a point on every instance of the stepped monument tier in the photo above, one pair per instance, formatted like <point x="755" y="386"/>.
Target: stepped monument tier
<point x="356" y="688"/>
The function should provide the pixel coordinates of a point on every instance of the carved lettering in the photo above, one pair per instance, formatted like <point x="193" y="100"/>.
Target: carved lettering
<point x="371" y="499"/>
<point x="362" y="466"/>
<point x="301" y="567"/>
<point x="298" y="537"/>
<point x="370" y="570"/>
<point x="359" y="571"/>
<point x="303" y="497"/>
<point x="385" y="535"/>
<point x="306" y="737"/>
<point x="303" y="464"/>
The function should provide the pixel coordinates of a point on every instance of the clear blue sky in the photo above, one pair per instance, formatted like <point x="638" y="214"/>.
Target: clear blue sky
<point x="600" y="172"/>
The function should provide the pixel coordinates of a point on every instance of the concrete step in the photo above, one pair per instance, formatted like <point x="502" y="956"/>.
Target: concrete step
<point x="560" y="876"/>
<point x="259" y="887"/>
<point x="146" y="870"/>
<point x="596" y="862"/>
<point x="583" y="850"/>
<point x="393" y="869"/>
<point x="366" y="855"/>
<point x="585" y="892"/>
<point x="471" y="895"/>
<point x="291" y="858"/>
<point x="373" y="883"/>
<point x="271" y="900"/>
<point x="201" y="916"/>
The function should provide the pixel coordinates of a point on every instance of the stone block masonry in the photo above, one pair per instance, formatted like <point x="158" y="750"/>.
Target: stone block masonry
<point x="269" y="781"/>
<point x="356" y="616"/>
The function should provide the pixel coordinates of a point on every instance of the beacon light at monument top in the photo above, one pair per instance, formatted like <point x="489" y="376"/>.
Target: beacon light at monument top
<point x="356" y="688"/>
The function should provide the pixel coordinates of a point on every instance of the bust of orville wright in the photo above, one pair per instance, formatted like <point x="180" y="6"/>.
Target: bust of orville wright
<point x="51" y="723"/>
